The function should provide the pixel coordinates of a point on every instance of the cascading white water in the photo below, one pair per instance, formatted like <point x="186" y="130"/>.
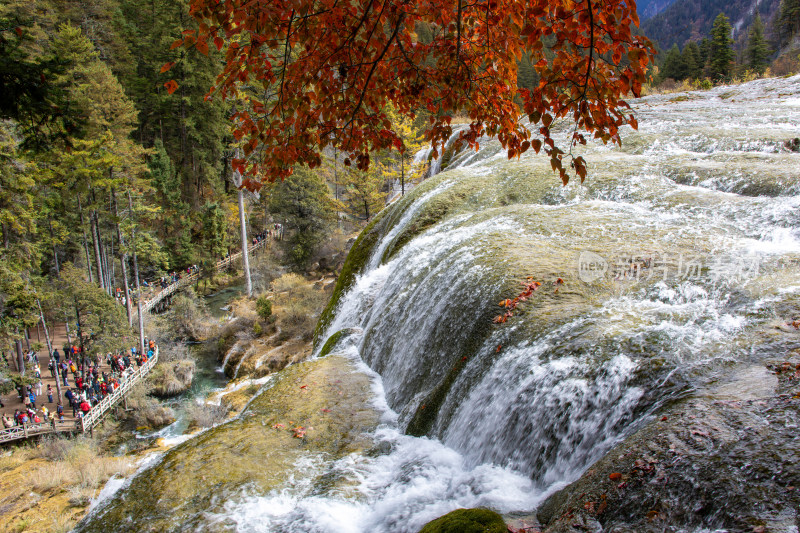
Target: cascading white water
<point x="552" y="400"/>
<point x="677" y="258"/>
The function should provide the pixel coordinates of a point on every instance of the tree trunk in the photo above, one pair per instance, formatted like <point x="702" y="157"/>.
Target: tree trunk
<point x="123" y="257"/>
<point x="136" y="276"/>
<point x="80" y="340"/>
<point x="20" y="357"/>
<point x="55" y="251"/>
<point x="96" y="244"/>
<point x="366" y="208"/>
<point x="85" y="241"/>
<point x="245" y="254"/>
<point x="49" y="349"/>
<point x="27" y="338"/>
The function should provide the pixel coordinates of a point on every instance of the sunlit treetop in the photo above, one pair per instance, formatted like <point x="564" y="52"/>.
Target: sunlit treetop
<point x="320" y="73"/>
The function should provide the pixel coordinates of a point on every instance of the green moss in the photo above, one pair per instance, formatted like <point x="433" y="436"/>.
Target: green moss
<point x="467" y="521"/>
<point x="353" y="265"/>
<point x="449" y="152"/>
<point x="331" y="343"/>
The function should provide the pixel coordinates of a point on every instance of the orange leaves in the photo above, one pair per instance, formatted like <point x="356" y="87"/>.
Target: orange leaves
<point x="171" y="86"/>
<point x="511" y="304"/>
<point x="335" y="89"/>
<point x="166" y="67"/>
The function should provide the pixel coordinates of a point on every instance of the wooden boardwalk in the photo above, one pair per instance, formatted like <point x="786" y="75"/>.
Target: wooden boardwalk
<point x="191" y="279"/>
<point x="95" y="415"/>
<point x="92" y="418"/>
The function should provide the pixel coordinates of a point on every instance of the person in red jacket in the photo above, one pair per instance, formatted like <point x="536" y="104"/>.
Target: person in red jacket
<point x="85" y="407"/>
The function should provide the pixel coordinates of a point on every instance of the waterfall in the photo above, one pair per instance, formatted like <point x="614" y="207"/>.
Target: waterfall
<point x="671" y="265"/>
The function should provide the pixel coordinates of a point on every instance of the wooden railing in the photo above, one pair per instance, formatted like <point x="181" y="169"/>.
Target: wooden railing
<point x="29" y="430"/>
<point x="91" y="419"/>
<point x="193" y="278"/>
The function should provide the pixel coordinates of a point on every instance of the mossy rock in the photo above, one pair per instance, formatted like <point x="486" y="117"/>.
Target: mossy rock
<point x="467" y="521"/>
<point x="332" y="341"/>
<point x="353" y="265"/>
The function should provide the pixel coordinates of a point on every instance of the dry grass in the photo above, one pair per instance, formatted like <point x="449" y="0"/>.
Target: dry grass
<point x="74" y="463"/>
<point x="147" y="412"/>
<point x="14" y="457"/>
<point x="297" y="306"/>
<point x="173" y="377"/>
<point x="264" y="269"/>
<point x="206" y="415"/>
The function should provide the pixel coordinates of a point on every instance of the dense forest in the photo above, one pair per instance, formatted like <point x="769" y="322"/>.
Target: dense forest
<point x="691" y="20"/>
<point x="716" y="46"/>
<point x="101" y="168"/>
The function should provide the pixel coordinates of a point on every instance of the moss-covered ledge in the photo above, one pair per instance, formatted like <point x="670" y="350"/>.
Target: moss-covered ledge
<point x="467" y="521"/>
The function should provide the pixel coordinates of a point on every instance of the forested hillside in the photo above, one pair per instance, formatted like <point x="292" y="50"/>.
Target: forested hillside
<point x="650" y="8"/>
<point x="691" y="20"/>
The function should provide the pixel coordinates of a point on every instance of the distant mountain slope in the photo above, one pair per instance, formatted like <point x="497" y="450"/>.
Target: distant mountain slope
<point x="650" y="8"/>
<point x="691" y="20"/>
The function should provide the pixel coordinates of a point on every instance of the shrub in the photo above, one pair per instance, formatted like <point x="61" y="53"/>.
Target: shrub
<point x="299" y="303"/>
<point x="206" y="415"/>
<point x="147" y="412"/>
<point x="264" y="307"/>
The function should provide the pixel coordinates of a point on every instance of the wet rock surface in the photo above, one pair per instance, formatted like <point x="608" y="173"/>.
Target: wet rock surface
<point x="709" y="461"/>
<point x="317" y="407"/>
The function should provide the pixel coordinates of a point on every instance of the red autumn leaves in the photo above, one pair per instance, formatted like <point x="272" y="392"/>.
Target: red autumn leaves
<point x="311" y="75"/>
<point x="529" y="287"/>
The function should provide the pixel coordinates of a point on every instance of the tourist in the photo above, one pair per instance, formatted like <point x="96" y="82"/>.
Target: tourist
<point x="45" y="413"/>
<point x="51" y="366"/>
<point x="85" y="407"/>
<point x="49" y="393"/>
<point x="7" y="421"/>
<point x="60" y="412"/>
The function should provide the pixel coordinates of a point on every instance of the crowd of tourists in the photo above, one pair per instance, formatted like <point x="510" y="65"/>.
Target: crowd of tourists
<point x="90" y="384"/>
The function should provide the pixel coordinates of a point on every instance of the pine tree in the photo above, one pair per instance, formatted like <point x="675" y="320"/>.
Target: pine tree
<point x="721" y="53"/>
<point x="674" y="67"/>
<point x="301" y="202"/>
<point x="693" y="59"/>
<point x="758" y="50"/>
<point x="789" y="19"/>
